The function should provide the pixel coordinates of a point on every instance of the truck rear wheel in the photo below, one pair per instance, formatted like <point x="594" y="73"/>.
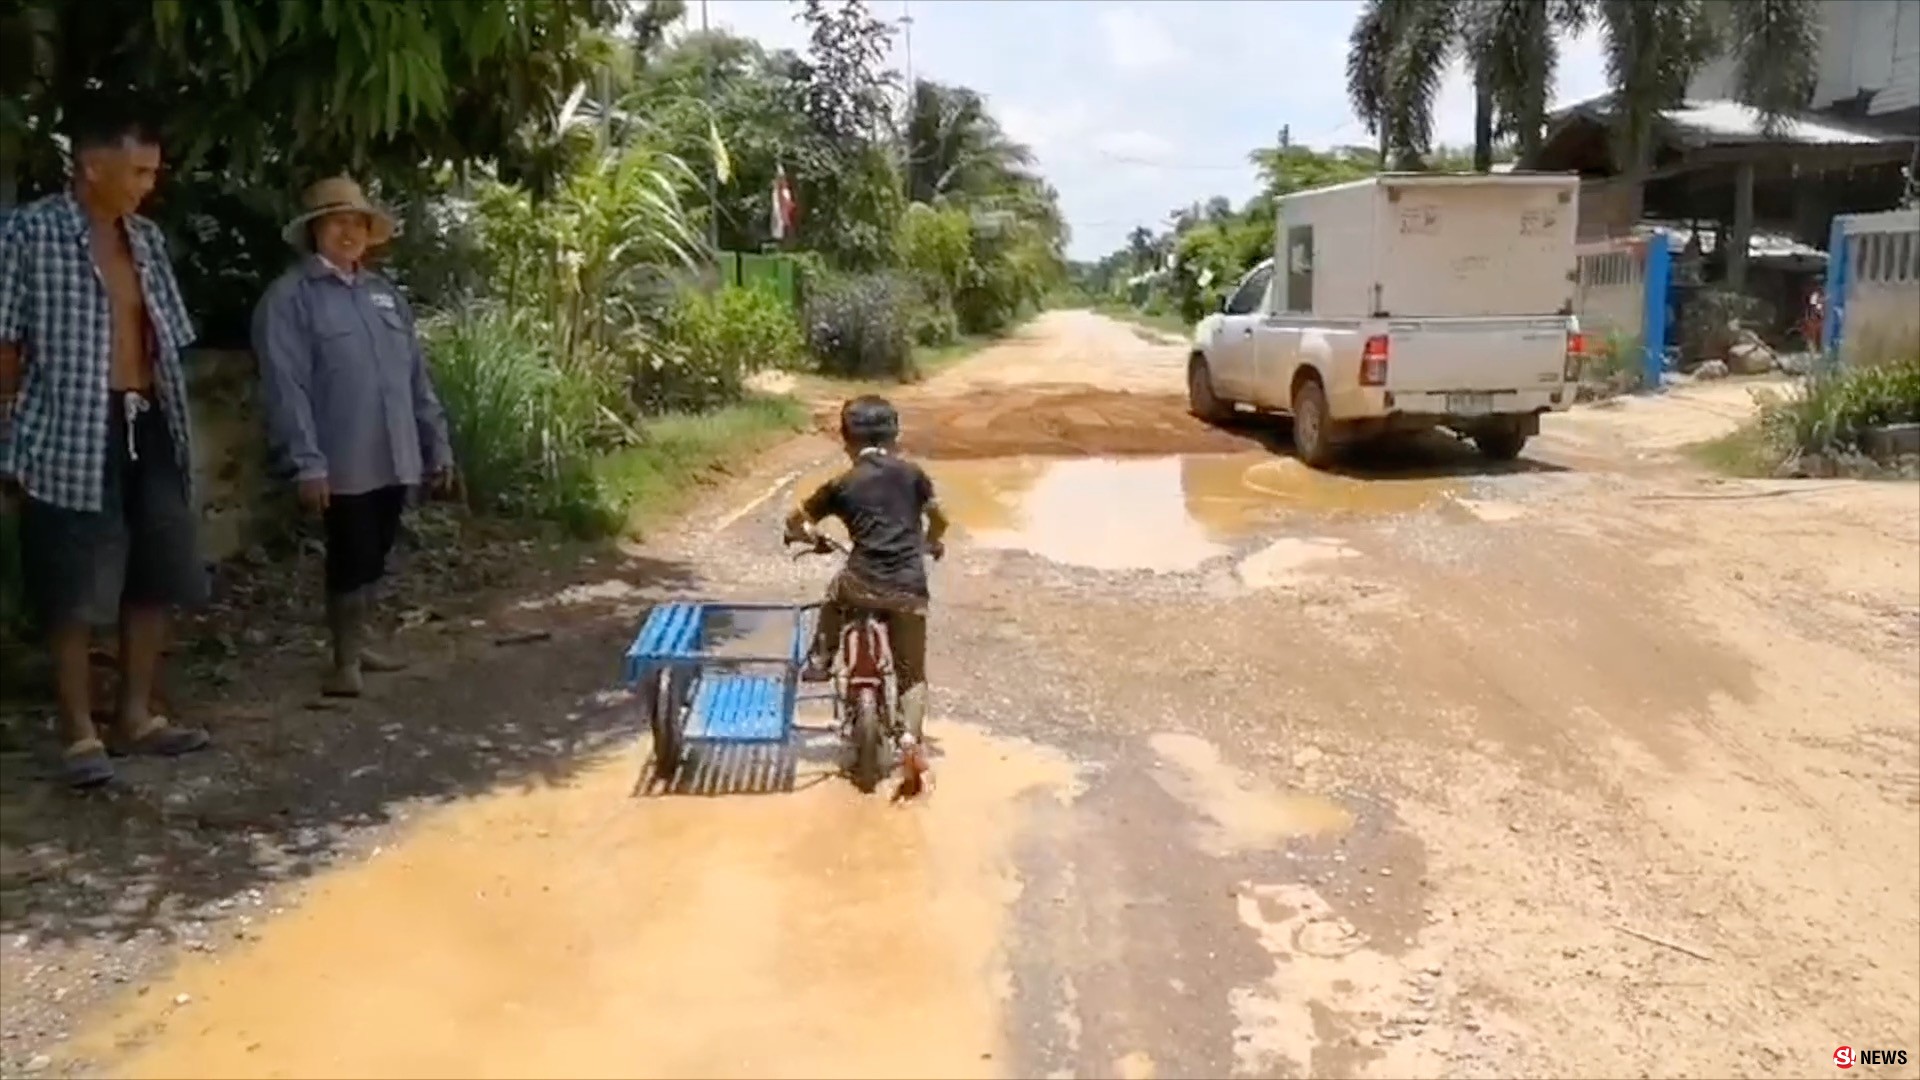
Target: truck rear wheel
<point x="1201" y="400"/>
<point x="1502" y="442"/>
<point x="1312" y="427"/>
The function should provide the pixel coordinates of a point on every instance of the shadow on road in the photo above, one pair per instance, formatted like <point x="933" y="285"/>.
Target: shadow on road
<point x="290" y="783"/>
<point x="1430" y="455"/>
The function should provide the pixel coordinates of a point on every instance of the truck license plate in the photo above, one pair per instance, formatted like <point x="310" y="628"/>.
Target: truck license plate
<point x="1469" y="404"/>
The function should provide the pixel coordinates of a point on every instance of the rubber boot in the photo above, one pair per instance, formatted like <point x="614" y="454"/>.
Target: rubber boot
<point x="346" y="621"/>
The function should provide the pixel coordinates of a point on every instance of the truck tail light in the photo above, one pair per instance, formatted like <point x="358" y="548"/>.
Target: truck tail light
<point x="1373" y="361"/>
<point x="1576" y="355"/>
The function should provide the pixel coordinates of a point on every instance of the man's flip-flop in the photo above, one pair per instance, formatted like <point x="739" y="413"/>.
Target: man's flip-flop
<point x="162" y="739"/>
<point x="85" y="764"/>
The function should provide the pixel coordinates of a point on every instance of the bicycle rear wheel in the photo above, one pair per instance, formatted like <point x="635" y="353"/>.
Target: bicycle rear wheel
<point x="668" y="721"/>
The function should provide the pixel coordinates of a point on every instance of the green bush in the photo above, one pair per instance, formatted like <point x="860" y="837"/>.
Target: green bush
<point x="526" y="430"/>
<point x="935" y="245"/>
<point x="713" y="341"/>
<point x="934" y="323"/>
<point x="1834" y="408"/>
<point x="1613" y="363"/>
<point x="863" y="326"/>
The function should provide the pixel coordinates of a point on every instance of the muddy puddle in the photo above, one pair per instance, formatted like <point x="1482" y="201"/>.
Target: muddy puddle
<point x="1239" y="812"/>
<point x="1162" y="514"/>
<point x="576" y="930"/>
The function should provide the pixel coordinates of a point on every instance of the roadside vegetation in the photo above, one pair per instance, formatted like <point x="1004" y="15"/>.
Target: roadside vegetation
<point x="1613" y="366"/>
<point x="587" y="191"/>
<point x="1824" y="425"/>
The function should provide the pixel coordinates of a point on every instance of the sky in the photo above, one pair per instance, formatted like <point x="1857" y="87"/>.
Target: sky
<point x="1137" y="107"/>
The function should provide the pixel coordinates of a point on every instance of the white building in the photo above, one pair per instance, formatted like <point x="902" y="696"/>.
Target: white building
<point x="1869" y="65"/>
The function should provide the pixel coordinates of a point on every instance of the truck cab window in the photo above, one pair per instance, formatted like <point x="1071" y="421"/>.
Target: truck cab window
<point x="1300" y="270"/>
<point x="1246" y="299"/>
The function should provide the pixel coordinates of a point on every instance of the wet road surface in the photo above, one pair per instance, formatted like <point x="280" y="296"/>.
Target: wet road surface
<point x="1591" y="766"/>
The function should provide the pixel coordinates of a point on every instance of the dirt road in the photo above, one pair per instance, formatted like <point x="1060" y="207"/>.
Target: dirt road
<point x="1591" y="766"/>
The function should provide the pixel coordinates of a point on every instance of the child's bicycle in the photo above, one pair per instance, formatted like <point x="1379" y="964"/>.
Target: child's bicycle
<point x="695" y="695"/>
<point x="867" y="697"/>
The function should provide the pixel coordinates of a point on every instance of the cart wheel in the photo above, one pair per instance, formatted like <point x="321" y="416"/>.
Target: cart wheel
<point x="869" y="740"/>
<point x="668" y="721"/>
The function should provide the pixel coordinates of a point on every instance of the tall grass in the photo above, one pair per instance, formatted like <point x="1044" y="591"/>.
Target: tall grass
<point x="652" y="479"/>
<point x="536" y="437"/>
<point x="525" y="427"/>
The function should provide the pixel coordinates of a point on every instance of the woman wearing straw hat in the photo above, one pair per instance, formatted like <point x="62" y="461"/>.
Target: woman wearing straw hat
<point x="350" y="404"/>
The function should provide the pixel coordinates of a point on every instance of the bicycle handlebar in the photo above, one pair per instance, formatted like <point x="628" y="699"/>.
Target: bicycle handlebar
<point x="822" y="545"/>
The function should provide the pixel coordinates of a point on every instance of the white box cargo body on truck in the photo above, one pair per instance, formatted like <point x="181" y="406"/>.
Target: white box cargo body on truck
<point x="1403" y="302"/>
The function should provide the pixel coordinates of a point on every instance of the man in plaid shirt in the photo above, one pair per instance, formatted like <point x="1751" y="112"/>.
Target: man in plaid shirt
<point x="94" y="434"/>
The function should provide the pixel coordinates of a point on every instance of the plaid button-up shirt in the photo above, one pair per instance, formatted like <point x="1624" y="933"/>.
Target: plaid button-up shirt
<point x="53" y="304"/>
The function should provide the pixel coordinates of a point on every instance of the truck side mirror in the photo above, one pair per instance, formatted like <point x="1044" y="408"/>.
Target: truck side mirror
<point x="1225" y="299"/>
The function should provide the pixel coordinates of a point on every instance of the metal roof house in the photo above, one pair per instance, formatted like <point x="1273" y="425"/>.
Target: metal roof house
<point x="1869" y="66"/>
<point x="1713" y="163"/>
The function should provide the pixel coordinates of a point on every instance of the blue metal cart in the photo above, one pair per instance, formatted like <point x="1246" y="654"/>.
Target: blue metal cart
<point x="696" y="695"/>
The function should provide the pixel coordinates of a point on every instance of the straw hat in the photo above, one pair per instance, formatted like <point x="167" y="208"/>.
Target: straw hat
<point x="334" y="195"/>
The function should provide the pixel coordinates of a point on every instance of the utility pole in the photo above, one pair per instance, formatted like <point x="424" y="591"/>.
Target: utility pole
<point x="1286" y="137"/>
<point x="906" y="28"/>
<point x="713" y="167"/>
<point x="906" y="111"/>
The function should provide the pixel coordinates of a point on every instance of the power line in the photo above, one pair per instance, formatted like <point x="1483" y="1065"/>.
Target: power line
<point x="1184" y="166"/>
<point x="1286" y="141"/>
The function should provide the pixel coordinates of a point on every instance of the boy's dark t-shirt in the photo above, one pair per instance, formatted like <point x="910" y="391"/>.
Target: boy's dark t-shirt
<point x="881" y="500"/>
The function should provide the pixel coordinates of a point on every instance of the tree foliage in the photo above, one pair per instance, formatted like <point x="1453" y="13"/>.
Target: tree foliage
<point x="256" y="98"/>
<point x="945" y="195"/>
<point x="955" y="146"/>
<point x="251" y="85"/>
<point x="847" y="82"/>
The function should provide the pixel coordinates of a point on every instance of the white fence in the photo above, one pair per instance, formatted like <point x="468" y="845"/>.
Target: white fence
<point x="1876" y="310"/>
<point x="1611" y="296"/>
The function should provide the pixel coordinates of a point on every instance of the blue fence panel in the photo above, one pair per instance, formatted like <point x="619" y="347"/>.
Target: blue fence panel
<point x="1653" y="332"/>
<point x="1839" y="256"/>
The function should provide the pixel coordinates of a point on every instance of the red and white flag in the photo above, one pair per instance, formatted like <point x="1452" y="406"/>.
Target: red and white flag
<point x="783" y="205"/>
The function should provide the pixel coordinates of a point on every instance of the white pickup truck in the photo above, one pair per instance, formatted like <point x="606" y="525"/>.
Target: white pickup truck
<point x="1404" y="302"/>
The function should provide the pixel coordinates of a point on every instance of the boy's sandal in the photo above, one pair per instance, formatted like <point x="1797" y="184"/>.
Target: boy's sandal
<point x="160" y="738"/>
<point x="85" y="764"/>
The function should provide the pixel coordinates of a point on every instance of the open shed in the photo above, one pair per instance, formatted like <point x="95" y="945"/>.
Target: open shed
<point x="1743" y="211"/>
<point x="1714" y="168"/>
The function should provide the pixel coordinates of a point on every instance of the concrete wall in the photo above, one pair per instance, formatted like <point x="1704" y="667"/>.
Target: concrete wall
<point x="239" y="503"/>
<point x="1611" y="297"/>
<point x="1882" y="317"/>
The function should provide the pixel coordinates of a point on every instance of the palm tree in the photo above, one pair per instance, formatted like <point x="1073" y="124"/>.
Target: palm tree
<point x="1654" y="49"/>
<point x="1141" y="247"/>
<point x="955" y="147"/>
<point x="1400" y="48"/>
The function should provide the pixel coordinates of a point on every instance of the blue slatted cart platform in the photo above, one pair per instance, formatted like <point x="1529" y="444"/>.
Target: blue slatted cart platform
<point x="695" y="693"/>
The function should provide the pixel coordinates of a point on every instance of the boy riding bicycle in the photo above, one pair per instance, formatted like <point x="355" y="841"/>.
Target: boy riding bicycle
<point x="882" y="499"/>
